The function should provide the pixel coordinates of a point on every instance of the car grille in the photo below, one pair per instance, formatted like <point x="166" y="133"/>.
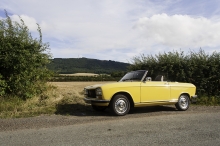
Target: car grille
<point x="91" y="93"/>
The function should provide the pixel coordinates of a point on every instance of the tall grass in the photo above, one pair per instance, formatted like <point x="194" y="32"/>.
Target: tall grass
<point x="47" y="103"/>
<point x="16" y="107"/>
<point x="208" y="101"/>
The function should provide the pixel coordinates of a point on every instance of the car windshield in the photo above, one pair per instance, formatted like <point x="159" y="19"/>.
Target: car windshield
<point x="134" y="75"/>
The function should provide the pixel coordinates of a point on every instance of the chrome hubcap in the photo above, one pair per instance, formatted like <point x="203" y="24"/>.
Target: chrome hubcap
<point x="183" y="102"/>
<point x="121" y="106"/>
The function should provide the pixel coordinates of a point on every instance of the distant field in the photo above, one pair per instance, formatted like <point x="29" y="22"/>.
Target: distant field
<point x="80" y="74"/>
<point x="73" y="87"/>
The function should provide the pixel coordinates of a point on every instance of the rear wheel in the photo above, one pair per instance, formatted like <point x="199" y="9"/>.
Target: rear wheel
<point x="120" y="105"/>
<point x="183" y="102"/>
<point x="99" y="108"/>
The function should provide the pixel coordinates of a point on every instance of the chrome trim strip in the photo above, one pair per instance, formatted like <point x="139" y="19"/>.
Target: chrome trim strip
<point x="145" y="74"/>
<point x="194" y="98"/>
<point x="89" y="100"/>
<point x="161" y="101"/>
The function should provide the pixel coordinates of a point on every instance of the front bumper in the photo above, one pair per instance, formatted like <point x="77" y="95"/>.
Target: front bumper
<point x="95" y="101"/>
<point x="194" y="98"/>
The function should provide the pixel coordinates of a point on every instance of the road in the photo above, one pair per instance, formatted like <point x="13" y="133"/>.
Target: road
<point x="163" y="126"/>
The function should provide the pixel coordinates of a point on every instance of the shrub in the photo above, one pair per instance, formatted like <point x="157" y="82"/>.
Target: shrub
<point x="22" y="60"/>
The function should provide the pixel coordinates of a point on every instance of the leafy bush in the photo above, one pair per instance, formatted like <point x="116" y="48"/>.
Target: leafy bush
<point x="22" y="60"/>
<point x="2" y="86"/>
<point x="208" y="100"/>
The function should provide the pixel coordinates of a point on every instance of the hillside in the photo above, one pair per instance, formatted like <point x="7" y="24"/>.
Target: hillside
<point x="86" y="65"/>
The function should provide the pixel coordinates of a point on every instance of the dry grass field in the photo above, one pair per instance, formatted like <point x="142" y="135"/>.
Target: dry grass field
<point x="62" y="98"/>
<point x="74" y="88"/>
<point x="80" y="74"/>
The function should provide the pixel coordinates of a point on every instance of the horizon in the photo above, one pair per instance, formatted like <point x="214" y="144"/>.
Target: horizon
<point x="94" y="59"/>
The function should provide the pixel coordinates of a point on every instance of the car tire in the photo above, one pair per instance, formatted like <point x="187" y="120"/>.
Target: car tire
<point x="99" y="108"/>
<point x="183" y="102"/>
<point x="120" y="105"/>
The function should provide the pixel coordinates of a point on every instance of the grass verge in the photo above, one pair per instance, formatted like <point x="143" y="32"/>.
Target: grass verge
<point x="52" y="102"/>
<point x="208" y="101"/>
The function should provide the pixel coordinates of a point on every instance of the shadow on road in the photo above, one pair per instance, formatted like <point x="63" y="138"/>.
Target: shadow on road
<point x="150" y="109"/>
<point x="86" y="110"/>
<point x="79" y="110"/>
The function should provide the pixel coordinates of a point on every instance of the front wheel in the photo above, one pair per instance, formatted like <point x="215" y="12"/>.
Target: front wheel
<point x="183" y="103"/>
<point x="120" y="105"/>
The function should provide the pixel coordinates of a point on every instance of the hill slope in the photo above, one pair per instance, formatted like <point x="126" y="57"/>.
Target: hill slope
<point x="77" y="65"/>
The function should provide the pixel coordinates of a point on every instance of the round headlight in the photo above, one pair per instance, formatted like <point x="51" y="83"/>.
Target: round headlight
<point x="98" y="91"/>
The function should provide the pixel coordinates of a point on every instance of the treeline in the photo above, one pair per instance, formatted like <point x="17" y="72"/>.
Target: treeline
<point x="85" y="65"/>
<point x="115" y="76"/>
<point x="83" y="78"/>
<point x="200" y="68"/>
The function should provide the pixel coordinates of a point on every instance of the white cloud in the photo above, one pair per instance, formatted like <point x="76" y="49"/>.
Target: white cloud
<point x="178" y="31"/>
<point x="116" y="29"/>
<point x="29" y="21"/>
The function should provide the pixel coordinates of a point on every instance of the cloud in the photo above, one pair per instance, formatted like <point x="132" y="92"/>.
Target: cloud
<point x="29" y="21"/>
<point x="119" y="29"/>
<point x="178" y="31"/>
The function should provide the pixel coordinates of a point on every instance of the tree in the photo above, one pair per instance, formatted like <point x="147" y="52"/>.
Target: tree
<point x="23" y="60"/>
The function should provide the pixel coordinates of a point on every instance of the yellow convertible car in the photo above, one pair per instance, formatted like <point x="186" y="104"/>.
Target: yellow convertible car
<point x="136" y="89"/>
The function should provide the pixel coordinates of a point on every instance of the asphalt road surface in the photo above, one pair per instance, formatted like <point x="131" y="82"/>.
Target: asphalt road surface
<point x="143" y="126"/>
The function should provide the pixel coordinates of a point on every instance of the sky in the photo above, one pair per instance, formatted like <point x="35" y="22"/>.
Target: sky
<point x="120" y="29"/>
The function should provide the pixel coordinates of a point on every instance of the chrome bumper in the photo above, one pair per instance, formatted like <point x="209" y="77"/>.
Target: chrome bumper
<point x="94" y="100"/>
<point x="194" y="98"/>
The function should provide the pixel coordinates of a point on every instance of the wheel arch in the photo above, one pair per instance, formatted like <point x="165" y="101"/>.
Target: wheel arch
<point x="187" y="94"/>
<point x="125" y="94"/>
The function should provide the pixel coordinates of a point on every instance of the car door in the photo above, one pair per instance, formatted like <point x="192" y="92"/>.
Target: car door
<point x="155" y="91"/>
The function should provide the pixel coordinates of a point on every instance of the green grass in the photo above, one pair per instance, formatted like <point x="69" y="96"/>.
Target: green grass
<point x="208" y="101"/>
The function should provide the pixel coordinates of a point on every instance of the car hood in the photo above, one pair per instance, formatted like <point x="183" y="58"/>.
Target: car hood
<point x="113" y="84"/>
<point x="93" y="86"/>
<point x="104" y="85"/>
